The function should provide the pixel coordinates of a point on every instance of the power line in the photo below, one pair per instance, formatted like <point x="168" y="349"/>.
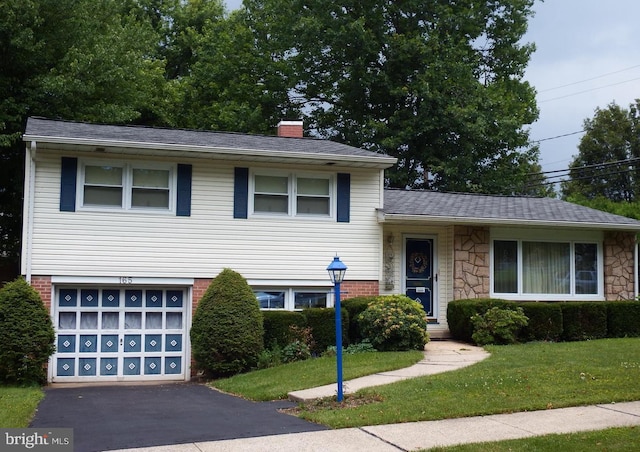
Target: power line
<point x="589" y="90"/>
<point x="589" y="79"/>
<point x="558" y="136"/>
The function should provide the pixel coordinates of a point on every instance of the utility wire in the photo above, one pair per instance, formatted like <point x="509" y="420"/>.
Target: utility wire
<point x="588" y="90"/>
<point x="558" y="136"/>
<point x="589" y="79"/>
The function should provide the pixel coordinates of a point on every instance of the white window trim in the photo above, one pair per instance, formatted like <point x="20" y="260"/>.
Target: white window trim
<point x="292" y="194"/>
<point x="127" y="186"/>
<point x="289" y="295"/>
<point x="520" y="296"/>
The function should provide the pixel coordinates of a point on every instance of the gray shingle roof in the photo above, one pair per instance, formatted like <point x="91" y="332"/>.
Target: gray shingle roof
<point x="487" y="209"/>
<point x="131" y="136"/>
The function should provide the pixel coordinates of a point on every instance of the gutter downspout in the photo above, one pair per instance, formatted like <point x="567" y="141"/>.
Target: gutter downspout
<point x="635" y="268"/>
<point x="28" y="209"/>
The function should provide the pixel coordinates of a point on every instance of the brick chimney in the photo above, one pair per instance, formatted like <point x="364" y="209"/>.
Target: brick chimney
<point x="290" y="129"/>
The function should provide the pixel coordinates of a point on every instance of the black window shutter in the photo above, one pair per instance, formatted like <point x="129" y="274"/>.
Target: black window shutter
<point x="241" y="193"/>
<point x="183" y="198"/>
<point x="344" y="197"/>
<point x="68" y="183"/>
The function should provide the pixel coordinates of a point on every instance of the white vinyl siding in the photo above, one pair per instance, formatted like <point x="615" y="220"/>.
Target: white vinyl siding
<point x="137" y="244"/>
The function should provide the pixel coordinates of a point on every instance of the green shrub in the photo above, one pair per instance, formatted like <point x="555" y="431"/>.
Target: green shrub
<point x="545" y="322"/>
<point x="227" y="329"/>
<point x="355" y="306"/>
<point x="394" y="323"/>
<point x="459" y="313"/>
<point x="26" y="335"/>
<point x="361" y="347"/>
<point x="498" y="325"/>
<point x="584" y="320"/>
<point x="623" y="318"/>
<point x="270" y="357"/>
<point x="323" y="327"/>
<point x="277" y="325"/>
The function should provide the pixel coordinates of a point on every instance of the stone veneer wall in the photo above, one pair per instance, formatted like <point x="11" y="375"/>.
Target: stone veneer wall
<point x="619" y="266"/>
<point x="471" y="277"/>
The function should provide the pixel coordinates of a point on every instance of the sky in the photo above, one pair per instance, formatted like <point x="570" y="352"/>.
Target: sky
<point x="587" y="56"/>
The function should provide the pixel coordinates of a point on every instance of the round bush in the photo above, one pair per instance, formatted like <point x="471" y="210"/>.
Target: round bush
<point x="26" y="335"/>
<point x="394" y="323"/>
<point x="227" y="330"/>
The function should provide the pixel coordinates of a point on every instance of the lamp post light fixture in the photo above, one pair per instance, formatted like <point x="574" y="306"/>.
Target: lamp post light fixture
<point x="336" y="271"/>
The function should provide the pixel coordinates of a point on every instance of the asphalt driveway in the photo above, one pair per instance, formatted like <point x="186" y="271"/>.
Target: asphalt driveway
<point x="118" y="417"/>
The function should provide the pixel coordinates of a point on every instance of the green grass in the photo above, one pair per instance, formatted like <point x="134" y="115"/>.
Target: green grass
<point x="610" y="440"/>
<point x="276" y="382"/>
<point x="533" y="376"/>
<point x="18" y="405"/>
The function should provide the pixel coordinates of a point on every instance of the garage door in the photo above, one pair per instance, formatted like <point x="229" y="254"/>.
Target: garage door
<point x="112" y="334"/>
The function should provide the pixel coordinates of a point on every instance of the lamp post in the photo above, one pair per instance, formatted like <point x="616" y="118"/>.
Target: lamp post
<point x="336" y="271"/>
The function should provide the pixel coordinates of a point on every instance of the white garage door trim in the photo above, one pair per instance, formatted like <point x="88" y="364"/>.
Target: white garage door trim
<point x="121" y="333"/>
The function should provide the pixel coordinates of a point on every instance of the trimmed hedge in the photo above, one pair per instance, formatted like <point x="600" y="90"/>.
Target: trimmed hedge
<point x="355" y="306"/>
<point x="276" y="326"/>
<point x="554" y="321"/>
<point x="323" y="327"/>
<point x="583" y="320"/>
<point x="545" y="322"/>
<point x="623" y="319"/>
<point x="459" y="313"/>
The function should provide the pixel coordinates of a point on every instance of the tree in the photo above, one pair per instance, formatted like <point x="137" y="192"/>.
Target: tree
<point x="437" y="84"/>
<point x="89" y="60"/>
<point x="231" y="85"/>
<point x="608" y="160"/>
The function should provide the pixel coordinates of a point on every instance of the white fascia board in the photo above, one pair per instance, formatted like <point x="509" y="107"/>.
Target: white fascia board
<point x="122" y="281"/>
<point x="413" y="219"/>
<point x="377" y="162"/>
<point x="286" y="283"/>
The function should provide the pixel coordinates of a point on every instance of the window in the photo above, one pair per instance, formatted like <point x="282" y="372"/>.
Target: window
<point x="127" y="186"/>
<point x="292" y="194"/>
<point x="292" y="298"/>
<point x="522" y="267"/>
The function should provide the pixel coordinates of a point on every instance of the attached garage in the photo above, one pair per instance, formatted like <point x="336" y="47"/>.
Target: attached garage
<point x="120" y="334"/>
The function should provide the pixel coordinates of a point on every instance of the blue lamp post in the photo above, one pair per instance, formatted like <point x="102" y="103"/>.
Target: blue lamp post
<point x="336" y="271"/>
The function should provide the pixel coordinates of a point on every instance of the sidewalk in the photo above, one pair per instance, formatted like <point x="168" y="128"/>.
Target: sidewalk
<point x="424" y="435"/>
<point x="440" y="356"/>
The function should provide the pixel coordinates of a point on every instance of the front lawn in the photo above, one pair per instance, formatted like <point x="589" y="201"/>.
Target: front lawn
<point x="276" y="382"/>
<point x="18" y="405"/>
<point x="526" y="377"/>
<point x="533" y="376"/>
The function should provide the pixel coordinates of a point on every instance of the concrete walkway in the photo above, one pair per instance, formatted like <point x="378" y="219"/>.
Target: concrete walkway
<point x="440" y="356"/>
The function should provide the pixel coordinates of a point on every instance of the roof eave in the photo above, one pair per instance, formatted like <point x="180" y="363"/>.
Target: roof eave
<point x="150" y="148"/>
<point x="431" y="219"/>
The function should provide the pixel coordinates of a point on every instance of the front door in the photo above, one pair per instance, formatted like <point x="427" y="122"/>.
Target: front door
<point x="419" y="272"/>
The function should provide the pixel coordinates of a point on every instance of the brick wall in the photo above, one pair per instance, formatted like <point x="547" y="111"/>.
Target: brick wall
<point x="42" y="284"/>
<point x="351" y="289"/>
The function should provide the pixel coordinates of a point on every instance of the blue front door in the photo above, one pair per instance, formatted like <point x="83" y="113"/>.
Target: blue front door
<point x="419" y="272"/>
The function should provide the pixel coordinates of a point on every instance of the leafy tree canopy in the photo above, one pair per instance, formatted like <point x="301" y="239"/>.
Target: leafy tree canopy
<point x="437" y="84"/>
<point x="608" y="161"/>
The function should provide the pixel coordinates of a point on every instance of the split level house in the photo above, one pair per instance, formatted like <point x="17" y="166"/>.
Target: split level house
<point x="125" y="227"/>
